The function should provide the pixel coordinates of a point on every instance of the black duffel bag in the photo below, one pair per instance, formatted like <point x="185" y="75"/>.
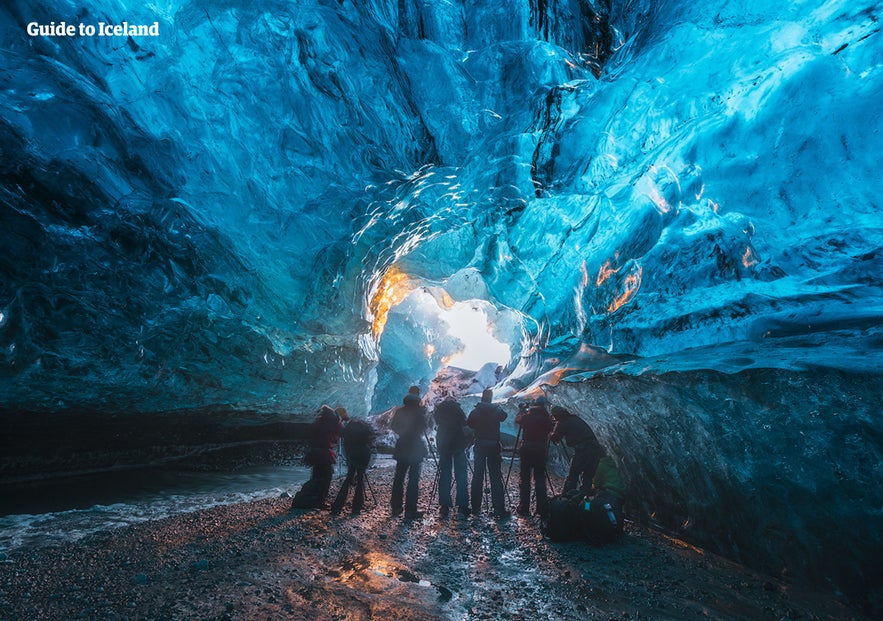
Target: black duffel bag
<point x="573" y="517"/>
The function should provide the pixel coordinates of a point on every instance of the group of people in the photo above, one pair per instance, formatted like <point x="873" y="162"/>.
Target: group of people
<point x="591" y="472"/>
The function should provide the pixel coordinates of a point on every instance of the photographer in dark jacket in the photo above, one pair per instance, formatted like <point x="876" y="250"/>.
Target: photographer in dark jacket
<point x="324" y="434"/>
<point x="358" y="438"/>
<point x="409" y="422"/>
<point x="587" y="451"/>
<point x="536" y="424"/>
<point x="485" y="420"/>
<point x="451" y="439"/>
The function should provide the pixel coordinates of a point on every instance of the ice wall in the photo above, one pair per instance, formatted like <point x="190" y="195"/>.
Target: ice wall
<point x="224" y="215"/>
<point x="203" y="217"/>
<point x="776" y="468"/>
<point x="248" y="179"/>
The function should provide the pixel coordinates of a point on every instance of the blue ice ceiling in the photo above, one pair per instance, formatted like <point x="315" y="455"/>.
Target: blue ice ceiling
<point x="226" y="213"/>
<point x="278" y="204"/>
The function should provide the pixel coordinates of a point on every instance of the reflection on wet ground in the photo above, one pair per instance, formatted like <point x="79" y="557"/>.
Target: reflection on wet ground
<point x="482" y="568"/>
<point x="472" y="568"/>
<point x="261" y="560"/>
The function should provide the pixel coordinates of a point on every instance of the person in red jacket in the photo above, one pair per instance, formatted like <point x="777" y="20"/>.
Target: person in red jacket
<point x="325" y="431"/>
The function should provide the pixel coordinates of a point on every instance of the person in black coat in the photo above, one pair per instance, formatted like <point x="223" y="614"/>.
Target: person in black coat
<point x="409" y="422"/>
<point x="358" y="439"/>
<point x="485" y="419"/>
<point x="587" y="451"/>
<point x="451" y="438"/>
<point x="536" y="424"/>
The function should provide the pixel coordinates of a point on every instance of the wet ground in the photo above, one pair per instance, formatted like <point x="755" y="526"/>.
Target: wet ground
<point x="260" y="560"/>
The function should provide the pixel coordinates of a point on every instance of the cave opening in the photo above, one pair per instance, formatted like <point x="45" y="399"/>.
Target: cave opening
<point x="420" y="330"/>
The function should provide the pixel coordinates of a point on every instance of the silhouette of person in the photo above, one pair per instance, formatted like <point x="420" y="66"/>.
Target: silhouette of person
<point x="324" y="433"/>
<point x="587" y="451"/>
<point x="485" y="419"/>
<point x="536" y="424"/>
<point x="451" y="439"/>
<point x="605" y="521"/>
<point x="358" y="439"/>
<point x="409" y="423"/>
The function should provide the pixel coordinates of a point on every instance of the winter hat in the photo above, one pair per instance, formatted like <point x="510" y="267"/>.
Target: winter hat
<point x="414" y="390"/>
<point x="487" y="395"/>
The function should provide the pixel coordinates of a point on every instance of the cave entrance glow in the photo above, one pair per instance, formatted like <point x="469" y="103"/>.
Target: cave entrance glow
<point x="444" y="332"/>
<point x="468" y="322"/>
<point x="423" y="330"/>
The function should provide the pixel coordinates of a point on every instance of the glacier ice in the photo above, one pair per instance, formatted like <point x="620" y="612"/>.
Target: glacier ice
<point x="239" y="211"/>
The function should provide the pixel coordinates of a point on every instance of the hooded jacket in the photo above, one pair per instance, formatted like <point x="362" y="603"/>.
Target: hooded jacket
<point x="485" y="419"/>
<point x="409" y="422"/>
<point x="450" y="420"/>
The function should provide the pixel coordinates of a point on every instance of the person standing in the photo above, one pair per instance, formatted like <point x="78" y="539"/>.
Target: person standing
<point x="409" y="423"/>
<point x="485" y="419"/>
<point x="324" y="434"/>
<point x="451" y="438"/>
<point x="587" y="451"/>
<point x="536" y="424"/>
<point x="358" y="439"/>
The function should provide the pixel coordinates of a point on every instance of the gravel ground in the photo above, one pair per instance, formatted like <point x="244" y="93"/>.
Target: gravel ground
<point x="261" y="560"/>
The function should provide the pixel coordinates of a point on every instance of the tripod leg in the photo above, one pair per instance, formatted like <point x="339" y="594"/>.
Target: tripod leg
<point x="548" y="477"/>
<point x="435" y="484"/>
<point x="487" y="489"/>
<point x="511" y="461"/>
<point x="370" y="488"/>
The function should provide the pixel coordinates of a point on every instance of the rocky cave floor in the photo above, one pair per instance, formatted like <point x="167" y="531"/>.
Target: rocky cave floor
<point x="261" y="560"/>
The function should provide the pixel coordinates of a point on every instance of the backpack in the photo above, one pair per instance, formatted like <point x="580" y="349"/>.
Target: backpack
<point x="308" y="496"/>
<point x="572" y="517"/>
<point x="562" y="522"/>
<point x="358" y="438"/>
<point x="357" y="434"/>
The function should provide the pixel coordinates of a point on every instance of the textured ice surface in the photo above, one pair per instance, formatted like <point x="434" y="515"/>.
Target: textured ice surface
<point x="236" y="211"/>
<point x="208" y="216"/>
<point x="775" y="468"/>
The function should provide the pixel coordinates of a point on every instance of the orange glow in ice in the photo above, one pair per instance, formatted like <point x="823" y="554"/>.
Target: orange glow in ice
<point x="749" y="257"/>
<point x="605" y="272"/>
<point x="556" y="375"/>
<point x="630" y="288"/>
<point x="393" y="288"/>
<point x="447" y="302"/>
<point x="684" y="545"/>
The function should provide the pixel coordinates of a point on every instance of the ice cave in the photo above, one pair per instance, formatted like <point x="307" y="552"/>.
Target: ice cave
<point x="665" y="215"/>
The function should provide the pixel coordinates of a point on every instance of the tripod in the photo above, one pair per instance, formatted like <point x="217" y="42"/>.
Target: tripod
<point x="483" y="463"/>
<point x="435" y="459"/>
<point x="370" y="488"/>
<point x="548" y="477"/>
<point x="511" y="462"/>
